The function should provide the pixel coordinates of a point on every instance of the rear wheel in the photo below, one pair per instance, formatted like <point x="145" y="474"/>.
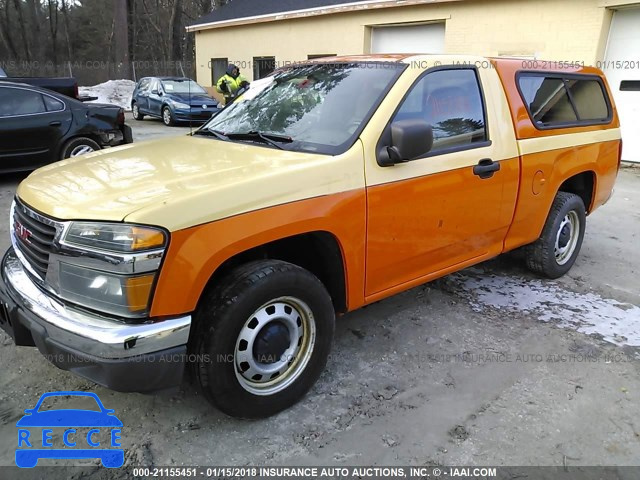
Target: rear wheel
<point x="78" y="146"/>
<point x="555" y="252"/>
<point x="263" y="339"/>
<point x="136" y="112"/>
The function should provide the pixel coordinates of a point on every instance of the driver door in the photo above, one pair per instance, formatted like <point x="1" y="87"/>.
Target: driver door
<point x="438" y="213"/>
<point x="142" y="96"/>
<point x="155" y="97"/>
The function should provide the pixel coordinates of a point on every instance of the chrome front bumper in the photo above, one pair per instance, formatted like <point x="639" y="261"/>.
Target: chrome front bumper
<point x="91" y="334"/>
<point x="124" y="356"/>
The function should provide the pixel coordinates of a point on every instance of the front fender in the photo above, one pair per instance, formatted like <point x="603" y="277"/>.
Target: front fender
<point x="195" y="253"/>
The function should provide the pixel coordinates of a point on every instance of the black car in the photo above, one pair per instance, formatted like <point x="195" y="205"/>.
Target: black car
<point x="38" y="126"/>
<point x="173" y="99"/>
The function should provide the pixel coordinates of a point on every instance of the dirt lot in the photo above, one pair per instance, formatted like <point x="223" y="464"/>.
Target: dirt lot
<point x="490" y="366"/>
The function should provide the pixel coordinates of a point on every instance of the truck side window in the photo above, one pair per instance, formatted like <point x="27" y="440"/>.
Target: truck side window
<point x="451" y="102"/>
<point x="589" y="99"/>
<point x="555" y="101"/>
<point x="547" y="100"/>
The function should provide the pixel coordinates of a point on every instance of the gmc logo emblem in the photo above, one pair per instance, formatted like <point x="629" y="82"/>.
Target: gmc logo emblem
<point x="22" y="232"/>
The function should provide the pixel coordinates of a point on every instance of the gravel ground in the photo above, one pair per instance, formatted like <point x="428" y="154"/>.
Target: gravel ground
<point x="152" y="128"/>
<point x="489" y="366"/>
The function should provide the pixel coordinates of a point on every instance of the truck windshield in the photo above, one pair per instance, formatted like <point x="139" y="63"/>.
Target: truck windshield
<point x="319" y="108"/>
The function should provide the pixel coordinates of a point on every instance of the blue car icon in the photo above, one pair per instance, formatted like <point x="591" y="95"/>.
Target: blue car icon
<point x="31" y="449"/>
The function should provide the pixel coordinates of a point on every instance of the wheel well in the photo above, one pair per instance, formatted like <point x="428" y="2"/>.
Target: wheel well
<point x="317" y="252"/>
<point x="582" y="185"/>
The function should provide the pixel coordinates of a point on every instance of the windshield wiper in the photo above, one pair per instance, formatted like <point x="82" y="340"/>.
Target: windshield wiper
<point x="272" y="139"/>
<point x="212" y="133"/>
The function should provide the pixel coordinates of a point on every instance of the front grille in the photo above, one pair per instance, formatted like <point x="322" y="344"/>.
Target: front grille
<point x="33" y="236"/>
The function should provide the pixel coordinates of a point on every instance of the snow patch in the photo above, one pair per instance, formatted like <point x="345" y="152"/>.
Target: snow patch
<point x="587" y="313"/>
<point x="115" y="92"/>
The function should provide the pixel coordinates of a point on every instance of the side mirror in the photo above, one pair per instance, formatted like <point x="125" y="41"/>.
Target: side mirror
<point x="409" y="139"/>
<point x="155" y="92"/>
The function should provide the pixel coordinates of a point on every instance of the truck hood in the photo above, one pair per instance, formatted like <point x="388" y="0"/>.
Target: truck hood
<point x="185" y="181"/>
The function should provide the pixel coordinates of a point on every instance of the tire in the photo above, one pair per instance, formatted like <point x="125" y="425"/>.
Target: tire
<point x="242" y="329"/>
<point x="78" y="146"/>
<point x="136" y="112"/>
<point x="167" y="117"/>
<point x="555" y="252"/>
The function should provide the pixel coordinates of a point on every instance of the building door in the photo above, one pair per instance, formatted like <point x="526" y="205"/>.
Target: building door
<point x="622" y="67"/>
<point x="408" y="39"/>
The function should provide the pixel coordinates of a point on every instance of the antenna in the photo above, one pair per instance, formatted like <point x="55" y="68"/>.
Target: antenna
<point x="190" y="106"/>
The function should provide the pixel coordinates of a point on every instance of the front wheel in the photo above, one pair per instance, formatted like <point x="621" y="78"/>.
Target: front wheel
<point x="167" y="117"/>
<point x="263" y="338"/>
<point x="555" y="252"/>
<point x="136" y="112"/>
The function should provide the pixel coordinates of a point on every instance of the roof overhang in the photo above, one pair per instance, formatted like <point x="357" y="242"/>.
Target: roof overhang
<point x="313" y="12"/>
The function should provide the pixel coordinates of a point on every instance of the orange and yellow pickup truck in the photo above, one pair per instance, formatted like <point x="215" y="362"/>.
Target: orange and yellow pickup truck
<point x="326" y="187"/>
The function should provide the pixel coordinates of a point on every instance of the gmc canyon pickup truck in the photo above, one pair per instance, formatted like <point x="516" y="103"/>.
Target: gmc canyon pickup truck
<point x="333" y="185"/>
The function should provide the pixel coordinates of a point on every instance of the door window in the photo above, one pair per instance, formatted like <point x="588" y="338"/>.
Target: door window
<point x="144" y="86"/>
<point x="154" y="87"/>
<point x="451" y="102"/>
<point x="16" y="101"/>
<point x="53" y="104"/>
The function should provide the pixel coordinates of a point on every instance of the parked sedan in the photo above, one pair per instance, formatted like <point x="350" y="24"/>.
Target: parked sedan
<point x="38" y="126"/>
<point x="173" y="99"/>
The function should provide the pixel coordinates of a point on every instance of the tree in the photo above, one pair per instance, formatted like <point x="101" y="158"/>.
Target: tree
<point x="177" y="30"/>
<point x="53" y="28"/>
<point x="121" y="39"/>
<point x="99" y="39"/>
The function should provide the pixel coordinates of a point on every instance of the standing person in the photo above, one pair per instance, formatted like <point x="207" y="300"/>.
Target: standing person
<point x="231" y="82"/>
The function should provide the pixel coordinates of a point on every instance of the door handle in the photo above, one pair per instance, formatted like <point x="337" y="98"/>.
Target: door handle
<point x="486" y="168"/>
<point x="55" y="124"/>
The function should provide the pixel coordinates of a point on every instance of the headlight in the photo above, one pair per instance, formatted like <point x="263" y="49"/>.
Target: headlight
<point x="121" y="295"/>
<point x="110" y="267"/>
<point x="182" y="106"/>
<point x="115" y="237"/>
